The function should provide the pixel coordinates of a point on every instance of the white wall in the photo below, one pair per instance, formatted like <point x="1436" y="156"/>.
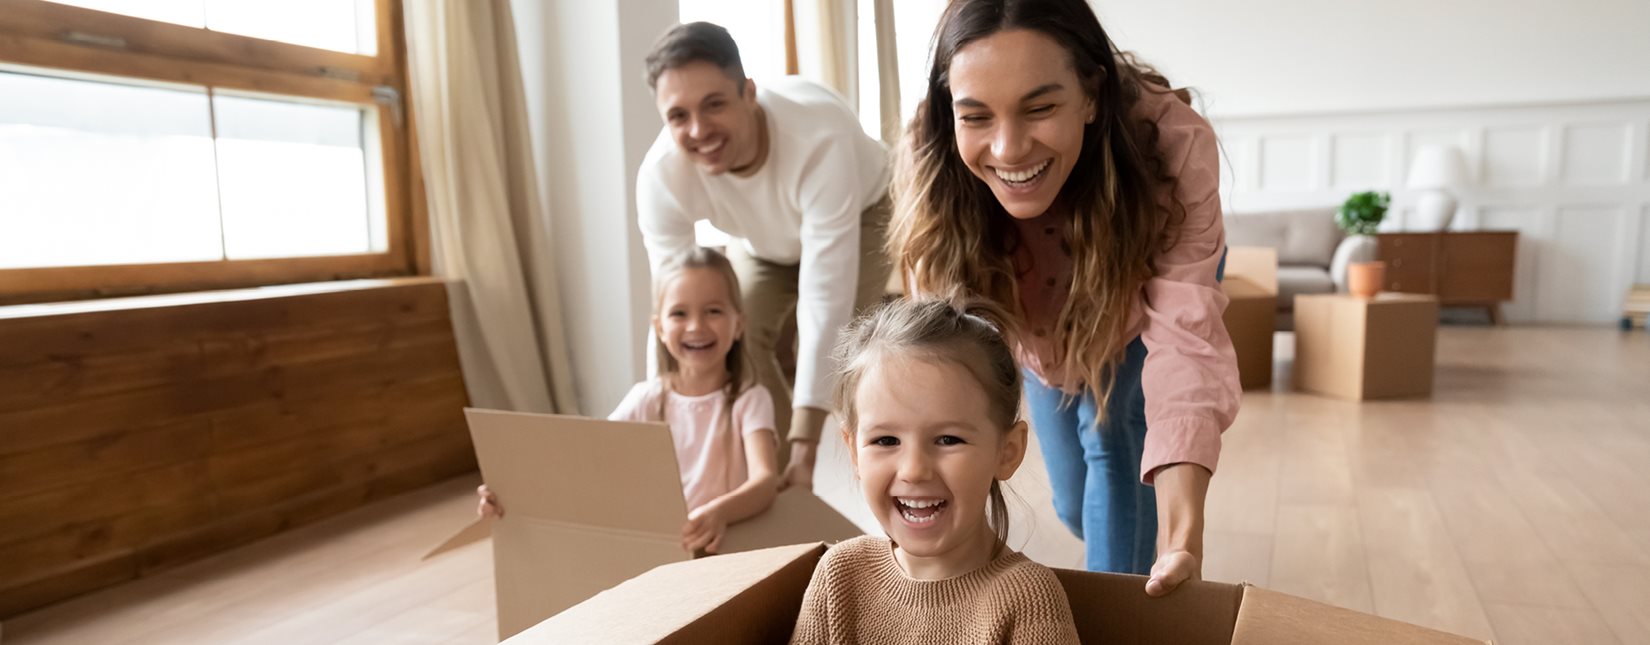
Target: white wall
<point x="1265" y="57"/>
<point x="1572" y="179"/>
<point x="1314" y="100"/>
<point x="592" y="118"/>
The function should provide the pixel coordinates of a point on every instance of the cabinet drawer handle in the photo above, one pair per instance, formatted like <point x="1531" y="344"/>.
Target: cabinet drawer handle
<point x="1397" y="286"/>
<point x="1397" y="262"/>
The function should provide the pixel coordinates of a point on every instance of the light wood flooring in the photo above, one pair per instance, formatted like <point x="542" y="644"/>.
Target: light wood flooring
<point x="1514" y="504"/>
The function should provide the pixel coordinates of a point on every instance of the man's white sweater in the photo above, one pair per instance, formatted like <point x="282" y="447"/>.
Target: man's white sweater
<point x="802" y="207"/>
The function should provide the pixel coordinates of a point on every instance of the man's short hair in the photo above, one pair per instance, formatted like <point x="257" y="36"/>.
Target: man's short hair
<point x="693" y="42"/>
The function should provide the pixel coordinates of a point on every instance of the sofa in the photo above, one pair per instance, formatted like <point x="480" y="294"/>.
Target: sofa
<point x="1310" y="258"/>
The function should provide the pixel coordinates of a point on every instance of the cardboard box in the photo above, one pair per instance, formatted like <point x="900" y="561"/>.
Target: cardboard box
<point x="1351" y="348"/>
<point x="589" y="504"/>
<point x="1255" y="264"/>
<point x="1251" y="286"/>
<point x="755" y="598"/>
<point x="1251" y="318"/>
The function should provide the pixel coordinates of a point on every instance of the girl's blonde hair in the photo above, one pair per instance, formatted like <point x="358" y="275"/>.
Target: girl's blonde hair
<point x="935" y="330"/>
<point x="741" y="373"/>
<point x="953" y="238"/>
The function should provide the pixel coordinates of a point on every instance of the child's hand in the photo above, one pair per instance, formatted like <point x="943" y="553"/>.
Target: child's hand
<point x="488" y="506"/>
<point x="703" y="530"/>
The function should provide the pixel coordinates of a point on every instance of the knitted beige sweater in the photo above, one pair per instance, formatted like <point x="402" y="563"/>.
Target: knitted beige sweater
<point x="859" y="594"/>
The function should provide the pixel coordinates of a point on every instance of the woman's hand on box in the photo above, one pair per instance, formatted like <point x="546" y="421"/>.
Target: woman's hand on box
<point x="1181" y="491"/>
<point x="704" y="529"/>
<point x="1171" y="569"/>
<point x="488" y="505"/>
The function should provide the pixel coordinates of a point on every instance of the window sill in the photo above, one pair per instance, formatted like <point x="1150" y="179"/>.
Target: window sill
<point x="129" y="303"/>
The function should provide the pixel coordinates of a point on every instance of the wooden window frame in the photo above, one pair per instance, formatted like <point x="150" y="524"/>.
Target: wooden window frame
<point x="41" y="34"/>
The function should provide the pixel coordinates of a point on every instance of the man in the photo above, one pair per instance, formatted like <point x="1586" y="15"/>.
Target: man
<point x="789" y="173"/>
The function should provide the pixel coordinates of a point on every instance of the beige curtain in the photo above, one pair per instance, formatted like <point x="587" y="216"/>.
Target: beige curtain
<point x="887" y="72"/>
<point x="489" y="226"/>
<point x="826" y="40"/>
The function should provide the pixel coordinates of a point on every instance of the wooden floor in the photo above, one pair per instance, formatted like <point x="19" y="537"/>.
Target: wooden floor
<point x="1514" y="504"/>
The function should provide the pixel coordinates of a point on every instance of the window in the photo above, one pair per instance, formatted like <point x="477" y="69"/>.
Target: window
<point x="758" y="27"/>
<point x="167" y="145"/>
<point x="870" y="89"/>
<point x="914" y="24"/>
<point x="339" y="25"/>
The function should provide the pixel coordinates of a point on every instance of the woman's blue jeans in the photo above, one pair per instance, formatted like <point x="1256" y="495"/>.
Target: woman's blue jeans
<point x="1095" y="472"/>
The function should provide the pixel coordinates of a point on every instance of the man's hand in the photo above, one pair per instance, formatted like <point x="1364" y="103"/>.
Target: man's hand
<point x="806" y="425"/>
<point x="800" y="472"/>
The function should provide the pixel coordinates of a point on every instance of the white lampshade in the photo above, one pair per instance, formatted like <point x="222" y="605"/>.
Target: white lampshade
<point x="1438" y="166"/>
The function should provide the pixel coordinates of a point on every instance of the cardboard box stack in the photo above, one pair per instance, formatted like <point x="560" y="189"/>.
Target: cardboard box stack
<point x="1251" y="286"/>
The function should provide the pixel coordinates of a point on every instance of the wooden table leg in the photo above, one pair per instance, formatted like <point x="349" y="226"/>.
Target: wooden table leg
<point x="1495" y="313"/>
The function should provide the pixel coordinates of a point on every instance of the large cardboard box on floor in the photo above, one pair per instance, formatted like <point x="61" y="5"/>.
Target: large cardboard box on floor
<point x="1251" y="286"/>
<point x="1356" y="348"/>
<point x="589" y="504"/>
<point x="755" y="597"/>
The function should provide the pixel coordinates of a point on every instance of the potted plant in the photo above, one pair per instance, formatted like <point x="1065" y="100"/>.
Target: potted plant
<point x="1359" y="216"/>
<point x="1362" y="213"/>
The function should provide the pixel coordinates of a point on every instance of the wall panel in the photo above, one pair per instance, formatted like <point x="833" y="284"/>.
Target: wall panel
<point x="138" y="434"/>
<point x="1573" y="179"/>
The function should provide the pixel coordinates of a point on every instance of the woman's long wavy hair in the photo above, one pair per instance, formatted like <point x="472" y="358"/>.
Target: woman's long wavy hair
<point x="953" y="239"/>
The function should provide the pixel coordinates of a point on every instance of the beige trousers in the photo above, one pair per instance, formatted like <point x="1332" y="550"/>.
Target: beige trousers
<point x="769" y="290"/>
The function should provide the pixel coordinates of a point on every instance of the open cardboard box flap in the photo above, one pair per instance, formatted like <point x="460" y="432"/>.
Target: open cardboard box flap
<point x="591" y="503"/>
<point x="754" y="597"/>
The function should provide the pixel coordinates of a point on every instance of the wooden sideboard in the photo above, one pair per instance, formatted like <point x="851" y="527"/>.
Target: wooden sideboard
<point x="1460" y="268"/>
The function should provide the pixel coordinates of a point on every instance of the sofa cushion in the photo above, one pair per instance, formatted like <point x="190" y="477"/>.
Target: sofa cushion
<point x="1301" y="236"/>
<point x="1297" y="280"/>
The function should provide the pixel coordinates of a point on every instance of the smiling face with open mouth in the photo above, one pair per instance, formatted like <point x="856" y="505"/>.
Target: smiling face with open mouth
<point x="715" y="124"/>
<point x="697" y="321"/>
<point x="1019" y="120"/>
<point x="926" y="454"/>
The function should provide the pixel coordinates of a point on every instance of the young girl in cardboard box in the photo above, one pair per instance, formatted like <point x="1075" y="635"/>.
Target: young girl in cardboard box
<point x="720" y="418"/>
<point x="930" y="397"/>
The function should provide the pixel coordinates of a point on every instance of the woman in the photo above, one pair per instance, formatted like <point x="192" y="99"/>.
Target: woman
<point x="1052" y="174"/>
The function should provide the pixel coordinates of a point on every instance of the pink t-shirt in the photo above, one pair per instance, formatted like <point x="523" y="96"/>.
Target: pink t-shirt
<point x="1190" y="377"/>
<point x="710" y="451"/>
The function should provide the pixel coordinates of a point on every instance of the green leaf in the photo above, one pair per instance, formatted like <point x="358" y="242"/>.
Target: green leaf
<point x="1362" y="213"/>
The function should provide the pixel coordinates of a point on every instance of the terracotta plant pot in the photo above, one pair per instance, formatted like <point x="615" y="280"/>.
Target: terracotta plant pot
<point x="1365" y="279"/>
